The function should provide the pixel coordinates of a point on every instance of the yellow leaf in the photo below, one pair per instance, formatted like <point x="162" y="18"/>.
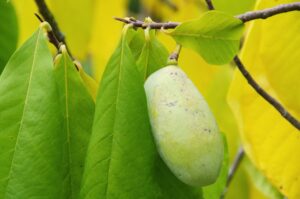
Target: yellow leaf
<point x="254" y="193"/>
<point x="173" y="9"/>
<point x="271" y="54"/>
<point x="216" y="93"/>
<point x="280" y="37"/>
<point x="27" y="22"/>
<point x="75" y="18"/>
<point x="105" y="33"/>
<point x="89" y="82"/>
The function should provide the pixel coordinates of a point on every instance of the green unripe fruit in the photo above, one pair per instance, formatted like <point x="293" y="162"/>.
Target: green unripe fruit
<point x="185" y="131"/>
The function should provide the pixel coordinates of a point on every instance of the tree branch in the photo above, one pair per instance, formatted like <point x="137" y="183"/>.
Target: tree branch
<point x="232" y="171"/>
<point x="246" y="17"/>
<point x="269" y="12"/>
<point x="48" y="16"/>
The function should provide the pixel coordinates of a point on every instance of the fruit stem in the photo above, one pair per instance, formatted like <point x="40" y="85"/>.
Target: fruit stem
<point x="173" y="58"/>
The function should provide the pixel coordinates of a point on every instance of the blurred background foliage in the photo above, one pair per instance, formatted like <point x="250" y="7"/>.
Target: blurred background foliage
<point x="92" y="35"/>
<point x="9" y="32"/>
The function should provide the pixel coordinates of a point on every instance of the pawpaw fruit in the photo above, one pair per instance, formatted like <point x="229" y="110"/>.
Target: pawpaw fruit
<point x="185" y="130"/>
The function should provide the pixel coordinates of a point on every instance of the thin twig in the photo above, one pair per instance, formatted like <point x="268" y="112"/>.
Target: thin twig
<point x="269" y="12"/>
<point x="288" y="116"/>
<point x="232" y="171"/>
<point x="48" y="16"/>
<point x="210" y="5"/>
<point x="236" y="163"/>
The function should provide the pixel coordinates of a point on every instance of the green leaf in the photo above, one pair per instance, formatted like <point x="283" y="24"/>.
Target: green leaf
<point x="215" y="36"/>
<point x="78" y="107"/>
<point x="8" y="32"/>
<point x="136" y="43"/>
<point x="261" y="182"/>
<point x="153" y="56"/>
<point x="30" y="155"/>
<point x="215" y="190"/>
<point x="122" y="161"/>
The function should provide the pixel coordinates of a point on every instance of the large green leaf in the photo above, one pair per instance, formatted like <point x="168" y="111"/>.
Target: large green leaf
<point x="153" y="56"/>
<point x="8" y="32"/>
<point x="30" y="126"/>
<point x="215" y="36"/>
<point x="76" y="18"/>
<point x="77" y="106"/>
<point x="122" y="161"/>
<point x="215" y="190"/>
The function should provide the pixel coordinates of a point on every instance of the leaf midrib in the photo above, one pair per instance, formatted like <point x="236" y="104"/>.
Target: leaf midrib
<point x="24" y="109"/>
<point x="203" y="36"/>
<point x="68" y="123"/>
<point x="117" y="102"/>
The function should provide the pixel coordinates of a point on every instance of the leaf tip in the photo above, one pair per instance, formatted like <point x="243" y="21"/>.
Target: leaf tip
<point x="46" y="26"/>
<point x="63" y="49"/>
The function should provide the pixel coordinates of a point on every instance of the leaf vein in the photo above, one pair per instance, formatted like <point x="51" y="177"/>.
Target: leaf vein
<point x="24" y="109"/>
